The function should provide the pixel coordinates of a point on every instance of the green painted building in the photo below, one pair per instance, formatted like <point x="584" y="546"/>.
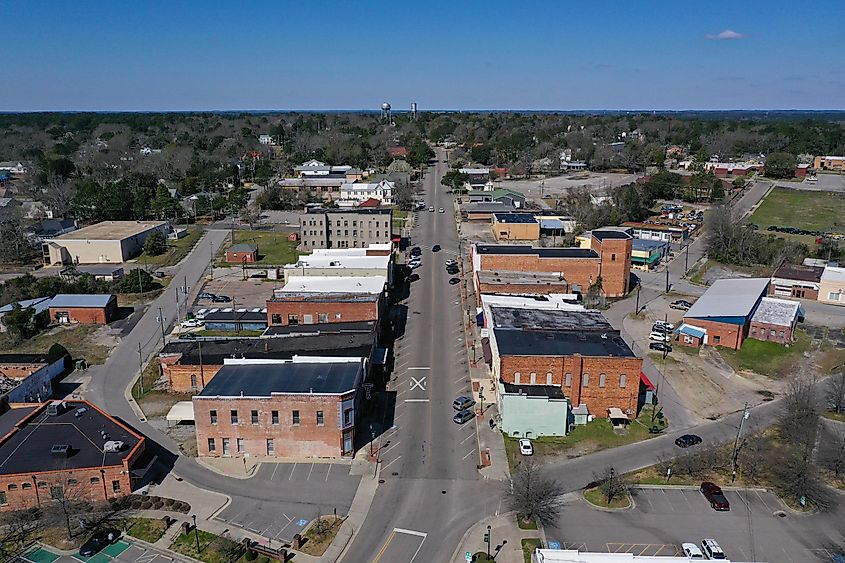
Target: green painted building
<point x="530" y="411"/>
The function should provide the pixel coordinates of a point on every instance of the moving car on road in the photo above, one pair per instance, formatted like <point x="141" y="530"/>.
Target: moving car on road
<point x="97" y="542"/>
<point x="681" y="304"/>
<point x="463" y="416"/>
<point x="462" y="403"/>
<point x="687" y="440"/>
<point x="714" y="495"/>
<point x="525" y="447"/>
<point x="442" y="210"/>
<point x="431" y="210"/>
<point x="435" y="248"/>
<point x="660" y="347"/>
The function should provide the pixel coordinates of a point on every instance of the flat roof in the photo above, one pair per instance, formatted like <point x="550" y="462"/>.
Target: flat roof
<point x="518" y="342"/>
<point x="24" y="359"/>
<point x="550" y="301"/>
<point x="515" y="218"/>
<point x="642" y="244"/>
<point x="240" y="315"/>
<point x="602" y="234"/>
<point x="347" y="345"/>
<point x="548" y="319"/>
<point x="488" y="207"/>
<point x="732" y="297"/>
<point x="111" y="230"/>
<point x="27" y="447"/>
<point x="653" y="226"/>
<point x="338" y="261"/>
<point x="79" y="300"/>
<point x="373" y="285"/>
<point x="262" y="380"/>
<point x="833" y="275"/>
<point x="522" y="278"/>
<point x="776" y="311"/>
<point x="799" y="272"/>
<point x="550" y="391"/>
<point x="574" y="556"/>
<point x="288" y="331"/>
<point x="515" y="249"/>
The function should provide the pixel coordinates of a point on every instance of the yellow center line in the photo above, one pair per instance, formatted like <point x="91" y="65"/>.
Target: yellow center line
<point x="384" y="547"/>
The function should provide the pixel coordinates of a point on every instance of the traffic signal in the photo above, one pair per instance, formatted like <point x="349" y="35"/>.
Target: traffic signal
<point x="486" y="537"/>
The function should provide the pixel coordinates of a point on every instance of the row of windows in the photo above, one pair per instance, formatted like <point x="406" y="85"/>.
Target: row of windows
<point x="772" y="332"/>
<point x="56" y="491"/>
<point x="270" y="445"/>
<point x="276" y="318"/>
<point x="585" y="379"/>
<point x="274" y="417"/>
<point x="355" y="233"/>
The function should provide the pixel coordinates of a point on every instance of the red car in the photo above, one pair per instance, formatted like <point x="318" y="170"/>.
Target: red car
<point x="714" y="495"/>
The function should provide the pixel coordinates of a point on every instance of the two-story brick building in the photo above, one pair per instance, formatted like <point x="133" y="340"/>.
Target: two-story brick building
<point x="608" y="259"/>
<point x="309" y="300"/>
<point x="65" y="448"/>
<point x="280" y="409"/>
<point x="576" y="351"/>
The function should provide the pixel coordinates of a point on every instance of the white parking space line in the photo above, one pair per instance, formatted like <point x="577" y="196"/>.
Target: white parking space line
<point x="416" y="400"/>
<point x="274" y="471"/>
<point x="309" y="473"/>
<point x="467" y="438"/>
<point x="460" y="379"/>
<point x="762" y="500"/>
<point x="383" y="467"/>
<point x="418" y="368"/>
<point x="291" y="471"/>
<point x="393" y="445"/>
<point x="469" y="454"/>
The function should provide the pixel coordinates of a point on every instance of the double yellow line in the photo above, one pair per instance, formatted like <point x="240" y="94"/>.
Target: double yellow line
<point x="384" y="547"/>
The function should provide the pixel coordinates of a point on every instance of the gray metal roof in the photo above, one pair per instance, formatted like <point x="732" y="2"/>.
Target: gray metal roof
<point x="776" y="311"/>
<point x="549" y="319"/>
<point x="734" y="297"/>
<point x="80" y="300"/>
<point x="517" y="342"/>
<point x="243" y="247"/>
<point x="262" y="380"/>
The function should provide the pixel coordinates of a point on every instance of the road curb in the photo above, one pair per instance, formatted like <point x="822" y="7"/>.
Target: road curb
<point x="646" y="486"/>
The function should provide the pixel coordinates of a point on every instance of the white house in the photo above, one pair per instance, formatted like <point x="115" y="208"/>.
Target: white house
<point x="265" y="139"/>
<point x="354" y="191"/>
<point x="13" y="167"/>
<point x="316" y="168"/>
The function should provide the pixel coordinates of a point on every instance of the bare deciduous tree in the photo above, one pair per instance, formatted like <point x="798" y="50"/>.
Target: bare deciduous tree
<point x="611" y="484"/>
<point x="835" y="392"/>
<point x="534" y="496"/>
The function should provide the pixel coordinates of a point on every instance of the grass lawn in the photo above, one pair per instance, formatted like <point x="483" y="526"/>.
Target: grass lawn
<point x="274" y="249"/>
<point x="802" y="209"/>
<point x="176" y="250"/>
<point x="528" y="547"/>
<point x="147" y="529"/>
<point x="213" y="548"/>
<point x="239" y="333"/>
<point x="79" y="341"/>
<point x="151" y="374"/>
<point x="595" y="497"/>
<point x="481" y="557"/>
<point x="840" y="416"/>
<point x="766" y="358"/>
<point x="316" y="541"/>
<point x="524" y="524"/>
<point x="593" y="436"/>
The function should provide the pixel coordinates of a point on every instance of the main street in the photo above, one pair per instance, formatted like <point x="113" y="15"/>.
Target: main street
<point x="432" y="491"/>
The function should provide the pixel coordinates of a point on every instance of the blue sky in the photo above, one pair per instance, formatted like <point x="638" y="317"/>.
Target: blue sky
<point x="354" y="54"/>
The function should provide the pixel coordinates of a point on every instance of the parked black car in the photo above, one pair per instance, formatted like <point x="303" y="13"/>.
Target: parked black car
<point x="660" y="347"/>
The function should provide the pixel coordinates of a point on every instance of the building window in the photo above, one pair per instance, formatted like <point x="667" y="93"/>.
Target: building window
<point x="533" y="379"/>
<point x="233" y="416"/>
<point x="274" y="417"/>
<point x="568" y="380"/>
<point x="613" y="257"/>
<point x="239" y="443"/>
<point x="275" y="319"/>
<point x="293" y="319"/>
<point x="42" y="485"/>
<point x="3" y="499"/>
<point x="225" y="446"/>
<point x="772" y="332"/>
<point x="781" y="334"/>
<point x="115" y="486"/>
<point x="26" y="486"/>
<point x="295" y="418"/>
<point x="623" y="380"/>
<point x="319" y="418"/>
<point x="322" y="317"/>
<point x="717" y="339"/>
<point x="72" y="482"/>
<point x="94" y="480"/>
<point x="833" y="296"/>
<point x="271" y="447"/>
<point x="585" y="381"/>
<point x="213" y="415"/>
<point x="549" y="378"/>
<point x="56" y="492"/>
<point x="347" y="417"/>
<point x="212" y="446"/>
<point x="253" y="417"/>
<point x="602" y="379"/>
<point x="13" y="487"/>
<point x="753" y="330"/>
<point x="194" y="380"/>
<point x="516" y="375"/>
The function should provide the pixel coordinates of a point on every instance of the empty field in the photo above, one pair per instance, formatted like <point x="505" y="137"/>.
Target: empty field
<point x="809" y="210"/>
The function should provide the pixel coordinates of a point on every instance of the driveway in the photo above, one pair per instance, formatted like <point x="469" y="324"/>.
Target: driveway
<point x="313" y="488"/>
<point x="663" y="518"/>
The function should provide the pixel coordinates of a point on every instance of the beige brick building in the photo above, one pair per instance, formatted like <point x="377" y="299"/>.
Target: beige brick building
<point x="345" y="228"/>
<point x="106" y="242"/>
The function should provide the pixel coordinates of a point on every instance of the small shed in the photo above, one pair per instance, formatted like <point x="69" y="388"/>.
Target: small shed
<point x="242" y="253"/>
<point x="690" y="335"/>
<point x="183" y="411"/>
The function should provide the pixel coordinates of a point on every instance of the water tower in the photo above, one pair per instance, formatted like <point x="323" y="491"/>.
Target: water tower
<point x="385" y="112"/>
<point x="414" y="111"/>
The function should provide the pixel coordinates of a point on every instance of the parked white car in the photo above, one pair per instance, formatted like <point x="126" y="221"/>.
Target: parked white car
<point x="663" y="325"/>
<point x="192" y="323"/>
<point x="660" y="336"/>
<point x="691" y="550"/>
<point x="525" y="447"/>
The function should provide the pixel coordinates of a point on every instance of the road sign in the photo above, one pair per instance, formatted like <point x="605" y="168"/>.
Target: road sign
<point x="554" y="544"/>
<point x="301" y="522"/>
<point x="468" y="556"/>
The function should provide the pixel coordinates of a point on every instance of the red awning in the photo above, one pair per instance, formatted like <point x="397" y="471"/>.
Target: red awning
<point x="396" y="239"/>
<point x="646" y="381"/>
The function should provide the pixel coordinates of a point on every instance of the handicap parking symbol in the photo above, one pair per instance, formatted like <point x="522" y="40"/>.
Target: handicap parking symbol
<point x="554" y="544"/>
<point x="301" y="522"/>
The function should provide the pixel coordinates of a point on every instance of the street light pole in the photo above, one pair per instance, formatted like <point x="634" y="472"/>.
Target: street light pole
<point x="745" y="415"/>
<point x="161" y="322"/>
<point x="196" y="533"/>
<point x="488" y="541"/>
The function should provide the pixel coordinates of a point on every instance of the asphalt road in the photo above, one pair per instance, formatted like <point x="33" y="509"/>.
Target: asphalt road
<point x="432" y="491"/>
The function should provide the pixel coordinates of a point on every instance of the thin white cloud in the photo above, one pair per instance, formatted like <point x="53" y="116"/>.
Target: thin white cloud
<point x="727" y="34"/>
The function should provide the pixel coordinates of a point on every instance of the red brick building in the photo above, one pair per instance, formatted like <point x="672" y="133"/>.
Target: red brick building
<point x="68" y="448"/>
<point x="189" y="365"/>
<point x="609" y="258"/>
<point x="520" y="283"/>
<point x="297" y="409"/>
<point x="307" y="300"/>
<point x="68" y="308"/>
<point x="775" y="320"/>
<point x="242" y="253"/>
<point x="723" y="313"/>
<point x="575" y="350"/>
<point x="796" y="280"/>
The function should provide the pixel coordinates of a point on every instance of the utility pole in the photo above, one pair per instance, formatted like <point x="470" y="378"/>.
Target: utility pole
<point x="161" y="322"/>
<point x="667" y="276"/>
<point x="177" y="305"/>
<point x="141" y="368"/>
<point x="637" y="308"/>
<point x="686" y="260"/>
<point x="745" y="415"/>
<point x="211" y="255"/>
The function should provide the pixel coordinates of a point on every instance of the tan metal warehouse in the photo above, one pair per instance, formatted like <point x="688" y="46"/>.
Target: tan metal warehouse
<point x="109" y="241"/>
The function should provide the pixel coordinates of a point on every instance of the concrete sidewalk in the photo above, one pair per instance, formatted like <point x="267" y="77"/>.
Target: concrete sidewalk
<point x="502" y="527"/>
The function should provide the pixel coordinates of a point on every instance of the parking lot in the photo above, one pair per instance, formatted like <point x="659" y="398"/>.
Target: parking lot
<point x="757" y="528"/>
<point x="249" y="293"/>
<point x="122" y="551"/>
<point x="324" y="488"/>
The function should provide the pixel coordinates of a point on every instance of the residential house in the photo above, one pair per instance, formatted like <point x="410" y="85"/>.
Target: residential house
<point x="13" y="166"/>
<point x="359" y="191"/>
<point x="832" y="285"/>
<point x="243" y="253"/>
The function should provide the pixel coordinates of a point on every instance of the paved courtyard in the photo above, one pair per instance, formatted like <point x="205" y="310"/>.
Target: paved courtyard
<point x="315" y="488"/>
<point x="757" y="528"/>
<point x="122" y="551"/>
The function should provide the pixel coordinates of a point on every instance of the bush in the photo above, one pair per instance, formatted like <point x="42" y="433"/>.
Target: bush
<point x="146" y="505"/>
